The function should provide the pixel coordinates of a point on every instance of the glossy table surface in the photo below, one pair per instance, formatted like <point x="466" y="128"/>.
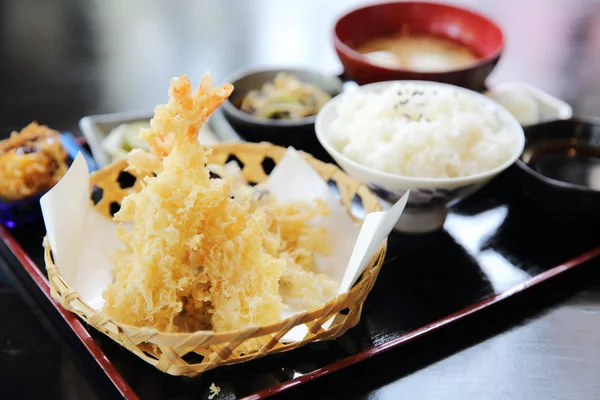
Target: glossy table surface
<point x="63" y="60"/>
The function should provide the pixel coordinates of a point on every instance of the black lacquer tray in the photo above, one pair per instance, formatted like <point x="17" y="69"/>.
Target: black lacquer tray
<point x="494" y="246"/>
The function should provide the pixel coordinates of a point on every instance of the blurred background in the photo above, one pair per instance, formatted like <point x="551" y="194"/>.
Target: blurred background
<point x="64" y="59"/>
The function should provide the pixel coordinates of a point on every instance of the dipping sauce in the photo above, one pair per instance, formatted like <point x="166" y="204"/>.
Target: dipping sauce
<point x="423" y="53"/>
<point x="565" y="161"/>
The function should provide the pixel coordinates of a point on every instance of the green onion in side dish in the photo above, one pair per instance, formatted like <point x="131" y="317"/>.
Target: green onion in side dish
<point x="285" y="98"/>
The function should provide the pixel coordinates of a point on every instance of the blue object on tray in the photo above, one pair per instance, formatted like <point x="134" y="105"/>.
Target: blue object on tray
<point x="15" y="213"/>
<point x="71" y="146"/>
<point x="20" y="212"/>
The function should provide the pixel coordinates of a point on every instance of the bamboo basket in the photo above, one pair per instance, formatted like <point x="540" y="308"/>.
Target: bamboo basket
<point x="190" y="354"/>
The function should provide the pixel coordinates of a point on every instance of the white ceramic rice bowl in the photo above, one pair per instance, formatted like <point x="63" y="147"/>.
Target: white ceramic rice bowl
<point x="429" y="197"/>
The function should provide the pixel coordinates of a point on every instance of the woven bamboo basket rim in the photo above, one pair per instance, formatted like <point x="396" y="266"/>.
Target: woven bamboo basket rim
<point x="219" y="346"/>
<point x="207" y="337"/>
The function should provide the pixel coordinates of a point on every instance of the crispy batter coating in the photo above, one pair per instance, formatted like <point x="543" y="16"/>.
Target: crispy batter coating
<point x="31" y="161"/>
<point x="299" y="285"/>
<point x="294" y="236"/>
<point x="196" y="256"/>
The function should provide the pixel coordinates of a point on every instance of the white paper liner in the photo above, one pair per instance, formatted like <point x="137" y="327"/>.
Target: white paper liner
<point x="84" y="242"/>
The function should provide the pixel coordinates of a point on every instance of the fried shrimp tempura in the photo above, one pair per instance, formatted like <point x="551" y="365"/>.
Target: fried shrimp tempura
<point x="194" y="258"/>
<point x="208" y="253"/>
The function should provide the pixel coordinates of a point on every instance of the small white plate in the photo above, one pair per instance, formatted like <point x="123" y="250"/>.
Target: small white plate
<point x="95" y="128"/>
<point x="550" y="108"/>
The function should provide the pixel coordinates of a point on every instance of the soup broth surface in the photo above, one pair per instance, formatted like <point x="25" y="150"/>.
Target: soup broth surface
<point x="424" y="53"/>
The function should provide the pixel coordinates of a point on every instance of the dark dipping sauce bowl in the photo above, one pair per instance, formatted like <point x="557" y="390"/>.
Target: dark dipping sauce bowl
<point x="298" y="133"/>
<point x="460" y="25"/>
<point x="560" y="169"/>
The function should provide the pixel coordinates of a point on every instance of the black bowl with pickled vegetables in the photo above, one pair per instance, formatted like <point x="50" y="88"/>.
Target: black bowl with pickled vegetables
<point x="280" y="106"/>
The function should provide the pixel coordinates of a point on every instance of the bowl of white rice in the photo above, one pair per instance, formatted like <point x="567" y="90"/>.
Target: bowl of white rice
<point x="439" y="141"/>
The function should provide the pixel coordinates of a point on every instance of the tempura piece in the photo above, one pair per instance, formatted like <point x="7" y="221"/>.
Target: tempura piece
<point x="31" y="161"/>
<point x="295" y="236"/>
<point x="301" y="237"/>
<point x="194" y="258"/>
<point x="301" y="289"/>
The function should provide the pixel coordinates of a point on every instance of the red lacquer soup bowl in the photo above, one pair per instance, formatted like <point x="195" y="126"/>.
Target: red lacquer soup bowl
<point x="475" y="31"/>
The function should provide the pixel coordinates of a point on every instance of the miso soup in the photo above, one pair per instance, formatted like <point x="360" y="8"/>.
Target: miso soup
<point x="423" y="53"/>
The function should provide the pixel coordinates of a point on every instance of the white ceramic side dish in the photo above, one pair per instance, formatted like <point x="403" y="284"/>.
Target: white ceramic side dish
<point x="95" y="128"/>
<point x="547" y="107"/>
